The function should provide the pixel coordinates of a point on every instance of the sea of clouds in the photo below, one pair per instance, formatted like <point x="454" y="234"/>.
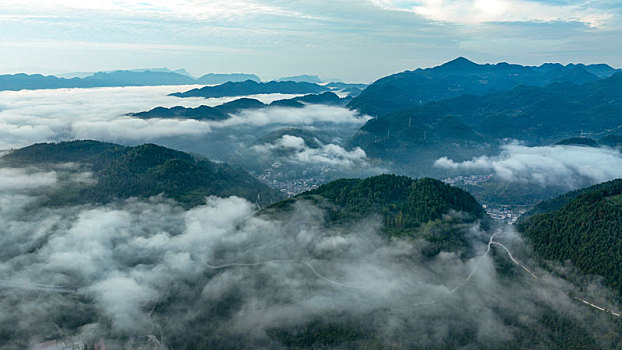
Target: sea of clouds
<point x="223" y="275"/>
<point x="30" y="116"/>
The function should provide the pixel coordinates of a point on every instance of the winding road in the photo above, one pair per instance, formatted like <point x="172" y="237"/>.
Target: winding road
<point x="28" y="285"/>
<point x="307" y="264"/>
<point x="516" y="262"/>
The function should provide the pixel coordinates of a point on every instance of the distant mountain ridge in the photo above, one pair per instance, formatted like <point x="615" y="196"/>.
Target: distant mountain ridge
<point x="223" y="111"/>
<point x="305" y="78"/>
<point x="86" y="74"/>
<point x="138" y="77"/>
<point x="215" y="78"/>
<point x="461" y="76"/>
<point x="147" y="77"/>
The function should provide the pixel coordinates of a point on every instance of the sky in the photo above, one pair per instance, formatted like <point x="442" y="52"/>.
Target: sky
<point x="352" y="40"/>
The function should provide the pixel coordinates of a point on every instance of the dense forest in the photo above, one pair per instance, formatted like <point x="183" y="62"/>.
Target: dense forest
<point x="584" y="227"/>
<point x="121" y="172"/>
<point x="560" y="201"/>
<point x="409" y="208"/>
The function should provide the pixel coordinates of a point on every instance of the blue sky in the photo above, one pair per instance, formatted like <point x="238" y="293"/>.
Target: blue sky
<point x="355" y="40"/>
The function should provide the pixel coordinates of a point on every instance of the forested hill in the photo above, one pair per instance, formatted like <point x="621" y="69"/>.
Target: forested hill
<point x="121" y="172"/>
<point x="405" y="205"/>
<point x="586" y="229"/>
<point x="461" y="76"/>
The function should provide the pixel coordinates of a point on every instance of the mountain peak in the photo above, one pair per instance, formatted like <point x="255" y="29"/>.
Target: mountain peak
<point x="459" y="63"/>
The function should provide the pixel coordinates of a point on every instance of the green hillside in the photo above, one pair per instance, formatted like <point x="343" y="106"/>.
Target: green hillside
<point x="408" y="208"/>
<point x="143" y="171"/>
<point x="584" y="227"/>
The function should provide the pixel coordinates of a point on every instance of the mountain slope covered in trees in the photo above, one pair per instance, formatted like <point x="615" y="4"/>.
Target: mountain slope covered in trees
<point x="121" y="172"/>
<point x="584" y="227"/>
<point x="419" y="208"/>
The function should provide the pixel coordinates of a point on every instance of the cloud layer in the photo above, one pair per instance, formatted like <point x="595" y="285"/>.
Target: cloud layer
<point x="33" y="116"/>
<point x="219" y="274"/>
<point x="482" y="11"/>
<point x="566" y="166"/>
<point x="294" y="149"/>
<point x="28" y="117"/>
<point x="455" y="11"/>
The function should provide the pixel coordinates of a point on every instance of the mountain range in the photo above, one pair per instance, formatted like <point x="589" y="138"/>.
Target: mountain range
<point x="305" y="78"/>
<point x="461" y="76"/>
<point x="469" y="125"/>
<point x="86" y="74"/>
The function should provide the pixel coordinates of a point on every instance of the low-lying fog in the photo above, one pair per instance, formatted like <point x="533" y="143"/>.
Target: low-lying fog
<point x="32" y="116"/>
<point x="220" y="272"/>
<point x="566" y="166"/>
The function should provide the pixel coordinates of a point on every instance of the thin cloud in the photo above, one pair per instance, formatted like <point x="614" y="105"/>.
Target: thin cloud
<point x="197" y="10"/>
<point x="486" y="11"/>
<point x="18" y="180"/>
<point x="308" y="115"/>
